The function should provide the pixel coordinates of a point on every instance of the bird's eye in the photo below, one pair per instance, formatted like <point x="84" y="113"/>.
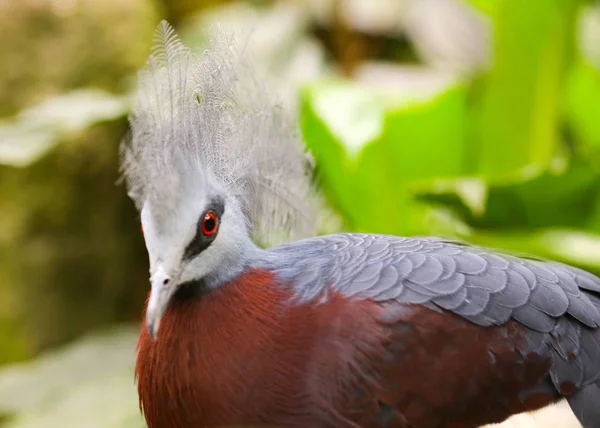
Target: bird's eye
<point x="209" y="224"/>
<point x="206" y="230"/>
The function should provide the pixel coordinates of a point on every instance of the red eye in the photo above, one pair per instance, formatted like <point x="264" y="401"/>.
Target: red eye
<point x="209" y="224"/>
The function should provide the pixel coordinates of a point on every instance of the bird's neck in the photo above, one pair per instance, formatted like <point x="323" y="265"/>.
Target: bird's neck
<point x="238" y="260"/>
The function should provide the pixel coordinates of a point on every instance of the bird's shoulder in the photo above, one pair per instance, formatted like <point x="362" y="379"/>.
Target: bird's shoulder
<point x="484" y="286"/>
<point x="552" y="310"/>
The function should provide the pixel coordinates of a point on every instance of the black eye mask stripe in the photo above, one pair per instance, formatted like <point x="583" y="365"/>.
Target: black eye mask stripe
<point x="200" y="241"/>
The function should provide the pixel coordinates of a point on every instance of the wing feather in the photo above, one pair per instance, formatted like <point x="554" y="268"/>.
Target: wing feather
<point x="556" y="306"/>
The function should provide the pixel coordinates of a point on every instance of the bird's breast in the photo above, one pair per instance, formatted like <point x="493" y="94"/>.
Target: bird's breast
<point x="243" y="353"/>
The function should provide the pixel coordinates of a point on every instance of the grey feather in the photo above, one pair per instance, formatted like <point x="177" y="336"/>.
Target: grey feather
<point x="566" y="338"/>
<point x="452" y="301"/>
<point x="516" y="293"/>
<point x="378" y="267"/>
<point x="557" y="304"/>
<point x="589" y="351"/>
<point x="475" y="303"/>
<point x="533" y="318"/>
<point x="585" y="406"/>
<point x="207" y="120"/>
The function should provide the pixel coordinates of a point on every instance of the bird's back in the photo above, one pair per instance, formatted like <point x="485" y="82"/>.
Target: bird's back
<point x="470" y="336"/>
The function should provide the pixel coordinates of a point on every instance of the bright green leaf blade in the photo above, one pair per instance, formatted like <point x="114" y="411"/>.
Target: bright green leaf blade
<point x="427" y="140"/>
<point x="563" y="198"/>
<point x="340" y="125"/>
<point x="582" y="107"/>
<point x="488" y="7"/>
<point x="520" y="101"/>
<point x="369" y="149"/>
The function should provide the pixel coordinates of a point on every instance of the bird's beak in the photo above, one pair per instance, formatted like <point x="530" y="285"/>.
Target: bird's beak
<point x="162" y="289"/>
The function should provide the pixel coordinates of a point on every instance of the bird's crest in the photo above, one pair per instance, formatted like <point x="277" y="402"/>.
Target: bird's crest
<point x="207" y="121"/>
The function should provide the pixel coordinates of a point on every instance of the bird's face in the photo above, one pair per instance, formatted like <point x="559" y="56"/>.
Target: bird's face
<point x="198" y="241"/>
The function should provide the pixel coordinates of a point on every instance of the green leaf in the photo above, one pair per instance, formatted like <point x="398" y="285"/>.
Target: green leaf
<point x="564" y="196"/>
<point x="369" y="149"/>
<point x="427" y="140"/>
<point x="582" y="106"/>
<point x="517" y="128"/>
<point x="488" y="7"/>
<point x="341" y="124"/>
<point x="34" y="131"/>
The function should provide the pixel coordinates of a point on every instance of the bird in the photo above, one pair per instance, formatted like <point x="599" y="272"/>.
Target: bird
<point x="253" y="318"/>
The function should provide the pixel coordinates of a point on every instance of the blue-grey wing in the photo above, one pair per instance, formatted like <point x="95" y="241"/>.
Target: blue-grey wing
<point x="485" y="287"/>
<point x="559" y="304"/>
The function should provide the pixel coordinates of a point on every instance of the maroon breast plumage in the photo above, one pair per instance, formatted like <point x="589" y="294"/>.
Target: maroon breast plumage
<point x="244" y="354"/>
<point x="247" y="355"/>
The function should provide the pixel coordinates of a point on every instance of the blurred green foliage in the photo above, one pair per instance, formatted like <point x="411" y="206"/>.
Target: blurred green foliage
<point x="50" y="46"/>
<point x="71" y="256"/>
<point x="507" y="157"/>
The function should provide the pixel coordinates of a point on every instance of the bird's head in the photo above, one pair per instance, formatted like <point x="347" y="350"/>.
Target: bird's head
<point x="205" y="240"/>
<point x="211" y="163"/>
